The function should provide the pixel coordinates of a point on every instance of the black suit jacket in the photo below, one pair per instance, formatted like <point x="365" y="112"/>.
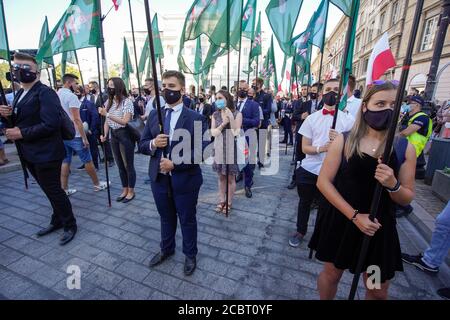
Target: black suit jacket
<point x="38" y="117"/>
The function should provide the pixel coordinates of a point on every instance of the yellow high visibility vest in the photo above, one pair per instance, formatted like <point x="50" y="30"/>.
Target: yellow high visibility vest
<point x="416" y="139"/>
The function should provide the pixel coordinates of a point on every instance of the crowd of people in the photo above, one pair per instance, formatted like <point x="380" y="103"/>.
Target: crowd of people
<point x="336" y="168"/>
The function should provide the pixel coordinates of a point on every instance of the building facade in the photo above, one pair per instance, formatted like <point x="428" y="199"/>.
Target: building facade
<point x="394" y="17"/>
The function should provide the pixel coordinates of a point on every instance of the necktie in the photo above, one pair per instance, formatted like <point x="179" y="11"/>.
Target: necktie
<point x="330" y="112"/>
<point x="240" y="106"/>
<point x="167" y="121"/>
<point x="92" y="98"/>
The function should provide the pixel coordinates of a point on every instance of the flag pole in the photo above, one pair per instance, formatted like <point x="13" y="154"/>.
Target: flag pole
<point x="227" y="171"/>
<point x="249" y="61"/>
<point x="100" y="95"/>
<point x="240" y="44"/>
<point x="10" y="124"/>
<point x="323" y="43"/>
<point x="134" y="46"/>
<point x="102" y="41"/>
<point x="351" y="22"/>
<point x="389" y="142"/>
<point x="79" y="68"/>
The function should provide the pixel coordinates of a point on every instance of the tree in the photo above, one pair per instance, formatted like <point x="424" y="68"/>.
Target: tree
<point x="69" y="69"/>
<point x="114" y="70"/>
<point x="4" y="68"/>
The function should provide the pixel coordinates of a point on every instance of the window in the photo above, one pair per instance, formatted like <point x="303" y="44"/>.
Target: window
<point x="358" y="43"/>
<point x="395" y="12"/>
<point x="381" y="26"/>
<point x="170" y="48"/>
<point x="370" y="35"/>
<point x="365" y="65"/>
<point x="428" y="33"/>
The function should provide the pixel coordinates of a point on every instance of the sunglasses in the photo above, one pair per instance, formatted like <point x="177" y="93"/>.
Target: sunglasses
<point x="17" y="66"/>
<point x="381" y="82"/>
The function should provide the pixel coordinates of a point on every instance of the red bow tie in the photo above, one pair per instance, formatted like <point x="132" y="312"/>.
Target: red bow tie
<point x="330" y="112"/>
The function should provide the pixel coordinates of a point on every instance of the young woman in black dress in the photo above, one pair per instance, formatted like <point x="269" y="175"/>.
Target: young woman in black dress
<point x="347" y="180"/>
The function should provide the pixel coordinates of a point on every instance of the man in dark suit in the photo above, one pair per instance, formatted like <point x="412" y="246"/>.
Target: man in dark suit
<point x="250" y="123"/>
<point x="35" y="126"/>
<point x="175" y="174"/>
<point x="204" y="108"/>
<point x="265" y="102"/>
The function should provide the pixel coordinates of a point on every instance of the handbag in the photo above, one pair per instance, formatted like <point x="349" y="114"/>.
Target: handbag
<point x="136" y="128"/>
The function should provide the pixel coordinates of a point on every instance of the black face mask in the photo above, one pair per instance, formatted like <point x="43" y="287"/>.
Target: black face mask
<point x="255" y="88"/>
<point x="313" y="95"/>
<point x="72" y="89"/>
<point x="24" y="76"/>
<point x="201" y="100"/>
<point x="250" y="97"/>
<point x="135" y="95"/>
<point x="93" y="91"/>
<point x="111" y="92"/>
<point x="378" y="120"/>
<point x="147" y="92"/>
<point x="79" y="96"/>
<point x="330" y="98"/>
<point x="171" y="96"/>
<point x="243" y="94"/>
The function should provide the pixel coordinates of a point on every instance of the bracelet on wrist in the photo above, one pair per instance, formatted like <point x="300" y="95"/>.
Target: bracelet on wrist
<point x="356" y="212"/>
<point x="395" y="189"/>
<point x="318" y="150"/>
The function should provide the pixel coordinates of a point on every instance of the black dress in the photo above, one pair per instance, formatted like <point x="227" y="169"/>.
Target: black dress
<point x="338" y="240"/>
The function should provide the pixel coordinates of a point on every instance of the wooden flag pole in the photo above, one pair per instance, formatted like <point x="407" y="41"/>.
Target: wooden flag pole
<point x="389" y="143"/>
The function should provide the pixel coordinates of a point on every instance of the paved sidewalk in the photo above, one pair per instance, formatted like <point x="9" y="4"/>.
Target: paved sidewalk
<point x="243" y="257"/>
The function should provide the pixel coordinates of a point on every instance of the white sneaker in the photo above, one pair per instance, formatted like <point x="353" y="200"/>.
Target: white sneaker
<point x="70" y="192"/>
<point x="102" y="186"/>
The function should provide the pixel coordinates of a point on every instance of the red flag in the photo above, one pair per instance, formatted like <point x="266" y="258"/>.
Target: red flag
<point x="380" y="60"/>
<point x="117" y="4"/>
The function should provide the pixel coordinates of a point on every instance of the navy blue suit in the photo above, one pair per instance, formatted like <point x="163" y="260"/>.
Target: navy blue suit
<point x="90" y="115"/>
<point x="186" y="180"/>
<point x="38" y="115"/>
<point x="265" y="102"/>
<point x="250" y="121"/>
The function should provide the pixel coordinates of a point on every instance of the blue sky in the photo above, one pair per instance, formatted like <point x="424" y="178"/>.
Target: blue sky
<point x="25" y="17"/>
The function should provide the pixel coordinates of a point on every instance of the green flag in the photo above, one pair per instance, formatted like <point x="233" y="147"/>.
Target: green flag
<point x="198" y="61"/>
<point x="44" y="35"/>
<point x="256" y="44"/>
<point x="78" y="28"/>
<point x="4" y="54"/>
<point x="344" y="5"/>
<point x="159" y="52"/>
<point x="144" y="56"/>
<point x="68" y="57"/>
<point x="282" y="15"/>
<point x="210" y="17"/>
<point x="127" y="67"/>
<point x="348" y="66"/>
<point x="269" y="67"/>
<point x="248" y="20"/>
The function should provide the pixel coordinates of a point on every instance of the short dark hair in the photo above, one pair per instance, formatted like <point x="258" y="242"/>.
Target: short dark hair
<point x="351" y="82"/>
<point x="24" y="56"/>
<point x="213" y="88"/>
<point x="69" y="77"/>
<point x="149" y="79"/>
<point x="175" y="74"/>
<point x="224" y="88"/>
<point x="318" y="85"/>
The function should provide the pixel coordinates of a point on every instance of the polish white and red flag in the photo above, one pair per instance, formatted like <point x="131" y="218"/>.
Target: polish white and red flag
<point x="380" y="60"/>
<point x="117" y="4"/>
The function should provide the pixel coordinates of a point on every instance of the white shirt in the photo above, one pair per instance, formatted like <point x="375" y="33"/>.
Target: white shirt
<point x="69" y="101"/>
<point x="314" y="105"/>
<point x="353" y="105"/>
<point x="317" y="127"/>
<point x="176" y="113"/>
<point x="119" y="112"/>
<point x="149" y="107"/>
<point x="242" y="103"/>
<point x="261" y="114"/>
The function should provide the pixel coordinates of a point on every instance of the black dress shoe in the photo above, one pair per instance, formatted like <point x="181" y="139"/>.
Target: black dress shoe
<point x="126" y="200"/>
<point x="51" y="228"/>
<point x="67" y="236"/>
<point x="248" y="192"/>
<point x="260" y="165"/>
<point x="159" y="258"/>
<point x="121" y="198"/>
<point x="189" y="266"/>
<point x="292" y="185"/>
<point x="239" y="177"/>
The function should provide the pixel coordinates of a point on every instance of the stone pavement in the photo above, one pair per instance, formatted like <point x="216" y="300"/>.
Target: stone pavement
<point x="243" y="257"/>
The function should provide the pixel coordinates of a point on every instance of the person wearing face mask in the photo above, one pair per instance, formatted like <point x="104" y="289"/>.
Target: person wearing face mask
<point x="204" y="108"/>
<point x="35" y="125"/>
<point x="250" y="121"/>
<point x="353" y="103"/>
<point x="176" y="180"/>
<point x="118" y="111"/>
<point x="317" y="136"/>
<point x="150" y="98"/>
<point x="316" y="97"/>
<point x="349" y="175"/>
<point x="91" y="122"/>
<point x="226" y="125"/>
<point x="80" y="144"/>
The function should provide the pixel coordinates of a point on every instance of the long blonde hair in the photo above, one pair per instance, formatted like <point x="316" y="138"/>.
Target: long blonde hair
<point x="361" y="127"/>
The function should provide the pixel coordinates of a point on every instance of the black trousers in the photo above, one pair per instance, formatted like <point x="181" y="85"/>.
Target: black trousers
<point x="93" y="147"/>
<point x="123" y="149"/>
<point x="307" y="191"/>
<point x="48" y="176"/>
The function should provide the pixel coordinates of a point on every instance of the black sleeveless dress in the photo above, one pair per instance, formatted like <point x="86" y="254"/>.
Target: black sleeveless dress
<point x="338" y="240"/>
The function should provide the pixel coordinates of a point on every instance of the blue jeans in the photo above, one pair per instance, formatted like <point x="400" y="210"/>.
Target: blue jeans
<point x="77" y="145"/>
<point x="440" y="241"/>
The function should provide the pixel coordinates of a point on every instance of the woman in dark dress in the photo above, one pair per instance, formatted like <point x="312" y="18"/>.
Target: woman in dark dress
<point x="347" y="180"/>
<point x="225" y="118"/>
